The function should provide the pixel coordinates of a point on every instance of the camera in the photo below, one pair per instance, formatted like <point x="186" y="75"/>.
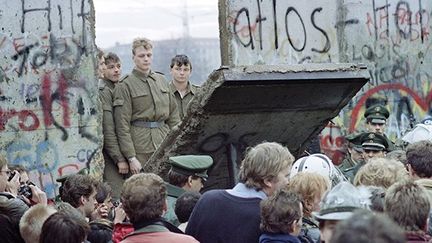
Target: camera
<point x="25" y="191"/>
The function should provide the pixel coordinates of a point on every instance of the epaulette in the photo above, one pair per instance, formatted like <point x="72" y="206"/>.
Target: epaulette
<point x="101" y="85"/>
<point x="161" y="73"/>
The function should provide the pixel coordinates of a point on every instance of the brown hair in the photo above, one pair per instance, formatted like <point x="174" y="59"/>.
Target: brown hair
<point x="407" y="203"/>
<point x="180" y="60"/>
<point x="264" y="161"/>
<point x="309" y="186"/>
<point x="144" y="42"/>
<point x="279" y="211"/>
<point x="419" y="157"/>
<point x="111" y="57"/>
<point x="143" y="197"/>
<point x="76" y="186"/>
<point x="381" y="172"/>
<point x="177" y="179"/>
<point x="64" y="228"/>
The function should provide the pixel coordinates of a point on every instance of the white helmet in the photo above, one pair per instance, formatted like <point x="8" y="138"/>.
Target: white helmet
<point x="321" y="164"/>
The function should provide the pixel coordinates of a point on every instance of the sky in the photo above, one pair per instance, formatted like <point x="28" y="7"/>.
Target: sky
<point x="122" y="21"/>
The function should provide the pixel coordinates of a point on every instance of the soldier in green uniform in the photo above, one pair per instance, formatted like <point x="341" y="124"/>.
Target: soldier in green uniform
<point x="374" y="145"/>
<point x="116" y="166"/>
<point x="355" y="152"/>
<point x="376" y="121"/>
<point x="187" y="173"/>
<point x="182" y="89"/>
<point x="144" y="108"/>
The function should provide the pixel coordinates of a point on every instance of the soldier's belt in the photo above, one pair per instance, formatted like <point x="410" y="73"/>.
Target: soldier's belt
<point x="147" y="124"/>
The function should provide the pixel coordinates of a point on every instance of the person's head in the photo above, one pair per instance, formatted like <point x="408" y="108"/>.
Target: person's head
<point x="100" y="232"/>
<point x="112" y="67"/>
<point x="24" y="178"/>
<point x="80" y="192"/>
<point x="282" y="213"/>
<point x="354" y="147"/>
<point x="398" y="155"/>
<point x="4" y="173"/>
<point x="377" y="195"/>
<point x="376" y="119"/>
<point x="364" y="227"/>
<point x="382" y="172"/>
<point x="338" y="204"/>
<point x="374" y="145"/>
<point x="180" y="68"/>
<point x="185" y="205"/>
<point x="144" y="197"/>
<point x="311" y="187"/>
<point x="266" y="167"/>
<point x="61" y="227"/>
<point x="321" y="164"/>
<point x="104" y="194"/>
<point x="101" y="63"/>
<point x="31" y="222"/>
<point x="142" y="51"/>
<point x="419" y="159"/>
<point x="189" y="171"/>
<point x="407" y="203"/>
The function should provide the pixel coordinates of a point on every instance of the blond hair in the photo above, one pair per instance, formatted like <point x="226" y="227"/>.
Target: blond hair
<point x="308" y="185"/>
<point x="144" y="42"/>
<point x="3" y="161"/>
<point x="264" y="162"/>
<point x="30" y="225"/>
<point x="381" y="172"/>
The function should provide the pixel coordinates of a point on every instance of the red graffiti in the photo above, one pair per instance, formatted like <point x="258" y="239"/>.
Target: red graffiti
<point x="75" y="168"/>
<point x="423" y="103"/>
<point x="47" y="98"/>
<point x="23" y="117"/>
<point x="333" y="143"/>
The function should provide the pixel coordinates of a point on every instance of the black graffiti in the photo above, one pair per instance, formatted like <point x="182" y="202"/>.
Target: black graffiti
<point x="245" y="14"/>
<point x="399" y="7"/>
<point x="289" y="10"/>
<point x="25" y="11"/>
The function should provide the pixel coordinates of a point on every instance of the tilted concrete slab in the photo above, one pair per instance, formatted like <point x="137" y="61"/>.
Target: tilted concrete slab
<point x="243" y="106"/>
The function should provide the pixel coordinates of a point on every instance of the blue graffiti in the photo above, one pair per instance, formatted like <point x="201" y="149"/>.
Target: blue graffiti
<point x="45" y="160"/>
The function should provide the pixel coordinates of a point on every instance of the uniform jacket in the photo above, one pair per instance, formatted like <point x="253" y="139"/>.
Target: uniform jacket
<point x="157" y="234"/>
<point x="173" y="192"/>
<point x="111" y="146"/>
<point x="182" y="103"/>
<point x="142" y="97"/>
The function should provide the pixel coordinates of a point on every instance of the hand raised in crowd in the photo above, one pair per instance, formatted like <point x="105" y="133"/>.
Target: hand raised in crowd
<point x="120" y="214"/>
<point x="123" y="167"/>
<point x="38" y="196"/>
<point x="14" y="183"/>
<point x="135" y="165"/>
<point x="101" y="212"/>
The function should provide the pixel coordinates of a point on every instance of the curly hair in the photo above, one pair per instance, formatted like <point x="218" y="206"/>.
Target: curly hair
<point x="381" y="172"/>
<point x="419" y="157"/>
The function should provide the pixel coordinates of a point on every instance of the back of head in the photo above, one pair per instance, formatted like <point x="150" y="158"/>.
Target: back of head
<point x="419" y="158"/>
<point x="364" y="227"/>
<point x="99" y="233"/>
<point x="143" y="197"/>
<point x="407" y="203"/>
<point x="185" y="205"/>
<point x="103" y="191"/>
<point x="76" y="186"/>
<point x="61" y="227"/>
<point x="381" y="172"/>
<point x="280" y="211"/>
<point x="264" y="161"/>
<point x="309" y="186"/>
<point x="398" y="155"/>
<point x="31" y="222"/>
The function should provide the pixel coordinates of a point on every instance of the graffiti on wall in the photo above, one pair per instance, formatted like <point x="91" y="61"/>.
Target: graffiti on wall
<point x="48" y="111"/>
<point x="392" y="37"/>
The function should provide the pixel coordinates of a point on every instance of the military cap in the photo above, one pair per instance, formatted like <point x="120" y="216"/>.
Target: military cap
<point x="355" y="139"/>
<point x="374" y="141"/>
<point x="340" y="202"/>
<point x="195" y="165"/>
<point x="377" y="114"/>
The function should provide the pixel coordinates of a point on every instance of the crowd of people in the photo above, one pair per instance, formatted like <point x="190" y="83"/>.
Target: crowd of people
<point x="382" y="192"/>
